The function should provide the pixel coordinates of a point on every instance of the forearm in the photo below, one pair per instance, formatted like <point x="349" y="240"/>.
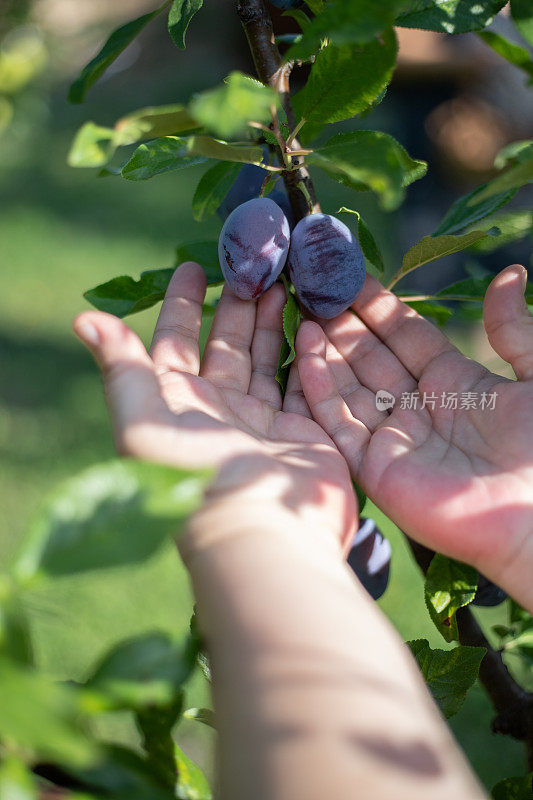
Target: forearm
<point x="314" y="693"/>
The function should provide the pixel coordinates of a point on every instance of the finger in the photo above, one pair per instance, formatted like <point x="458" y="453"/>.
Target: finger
<point x="175" y="341"/>
<point x="129" y="376"/>
<point x="508" y="323"/>
<point x="266" y="345"/>
<point x="330" y="411"/>
<point x="294" y="400"/>
<point x="371" y="361"/>
<point x="415" y="341"/>
<point x="359" y="399"/>
<point x="227" y="361"/>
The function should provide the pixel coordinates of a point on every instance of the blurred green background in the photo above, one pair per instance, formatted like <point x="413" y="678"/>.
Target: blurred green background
<point x="64" y="230"/>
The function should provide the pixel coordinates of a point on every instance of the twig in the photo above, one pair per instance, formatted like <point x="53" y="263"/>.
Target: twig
<point x="513" y="705"/>
<point x="257" y="25"/>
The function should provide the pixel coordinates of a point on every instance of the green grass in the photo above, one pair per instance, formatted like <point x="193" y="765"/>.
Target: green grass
<point x="61" y="232"/>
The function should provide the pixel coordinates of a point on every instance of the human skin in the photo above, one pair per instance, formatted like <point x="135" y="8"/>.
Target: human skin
<point x="458" y="481"/>
<point x="315" y="694"/>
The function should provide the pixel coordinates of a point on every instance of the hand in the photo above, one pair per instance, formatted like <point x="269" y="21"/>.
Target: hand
<point x="224" y="410"/>
<point x="459" y="481"/>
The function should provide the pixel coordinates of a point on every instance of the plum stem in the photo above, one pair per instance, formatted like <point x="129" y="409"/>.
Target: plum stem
<point x="296" y="131"/>
<point x="272" y="71"/>
<point x="303" y="189"/>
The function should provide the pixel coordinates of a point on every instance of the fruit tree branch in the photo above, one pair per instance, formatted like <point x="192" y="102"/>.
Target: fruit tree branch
<point x="272" y="71"/>
<point x="513" y="705"/>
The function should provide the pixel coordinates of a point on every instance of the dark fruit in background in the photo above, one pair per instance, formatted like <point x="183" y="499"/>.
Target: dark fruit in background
<point x="488" y="594"/>
<point x="326" y="265"/>
<point x="280" y="197"/>
<point x="286" y="4"/>
<point x="369" y="558"/>
<point x="247" y="186"/>
<point x="253" y="247"/>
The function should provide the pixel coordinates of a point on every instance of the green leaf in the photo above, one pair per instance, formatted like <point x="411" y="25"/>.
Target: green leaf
<point x="474" y="289"/>
<point x="512" y="225"/>
<point x="519" y="788"/>
<point x="315" y="6"/>
<point x="118" y="512"/>
<point x="468" y="210"/>
<point x="204" y="253"/>
<point x="501" y="630"/>
<point x="124" y="295"/>
<point x="16" y="781"/>
<point x="15" y="633"/>
<point x="117" y="42"/>
<point x="345" y="22"/>
<point x="450" y="16"/>
<point x="155" y="725"/>
<point x="153" y="122"/>
<point x="345" y="81"/>
<point x="519" y="616"/>
<point x="513" y="53"/>
<point x="369" y="160"/>
<point x="522" y="645"/>
<point x="513" y="152"/>
<point x="181" y="13"/>
<point x="226" y="110"/>
<point x="204" y="715"/>
<point x="361" y="497"/>
<point x="431" y="248"/>
<point x="42" y="717"/>
<point x="93" y="146"/>
<point x="449" y="674"/>
<point x="225" y="151"/>
<point x="440" y="314"/>
<point x="522" y="14"/>
<point x="513" y="177"/>
<point x="212" y="188"/>
<point x="170" y="153"/>
<point x="300" y="16"/>
<point x="449" y="585"/>
<point x="166" y="154"/>
<point x="368" y="244"/>
<point x="291" y="323"/>
<point x="123" y="774"/>
<point x="146" y="671"/>
<point x="192" y="784"/>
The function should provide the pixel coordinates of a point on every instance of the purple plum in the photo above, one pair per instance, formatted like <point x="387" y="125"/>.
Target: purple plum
<point x="369" y="558"/>
<point x="326" y="265"/>
<point x="253" y="247"/>
<point x="246" y="186"/>
<point x="488" y="594"/>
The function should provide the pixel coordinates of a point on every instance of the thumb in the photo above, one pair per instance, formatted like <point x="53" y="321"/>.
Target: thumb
<point x="508" y="323"/>
<point x="128" y="373"/>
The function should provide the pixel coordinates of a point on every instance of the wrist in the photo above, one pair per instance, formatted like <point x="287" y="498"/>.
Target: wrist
<point x="248" y="513"/>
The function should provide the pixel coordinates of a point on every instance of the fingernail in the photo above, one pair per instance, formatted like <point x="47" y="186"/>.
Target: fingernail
<point x="88" y="333"/>
<point x="524" y="277"/>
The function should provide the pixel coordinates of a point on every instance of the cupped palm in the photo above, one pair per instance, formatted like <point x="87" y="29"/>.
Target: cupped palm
<point x="459" y="480"/>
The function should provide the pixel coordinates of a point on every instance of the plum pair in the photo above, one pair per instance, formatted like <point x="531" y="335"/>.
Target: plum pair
<point x="325" y="262"/>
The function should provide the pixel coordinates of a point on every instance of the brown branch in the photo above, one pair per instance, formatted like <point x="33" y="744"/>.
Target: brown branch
<point x="513" y="705"/>
<point x="257" y="25"/>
